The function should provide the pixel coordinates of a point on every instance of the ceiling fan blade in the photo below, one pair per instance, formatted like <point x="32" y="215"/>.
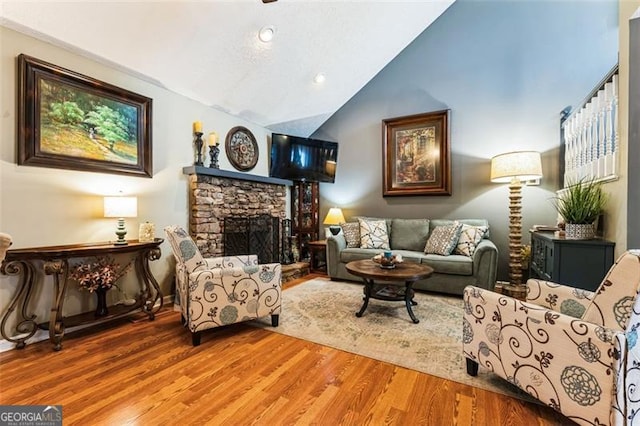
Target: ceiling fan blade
<point x="268" y="1"/>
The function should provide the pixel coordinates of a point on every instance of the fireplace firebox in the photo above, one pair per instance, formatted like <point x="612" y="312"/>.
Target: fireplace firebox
<point x="259" y="235"/>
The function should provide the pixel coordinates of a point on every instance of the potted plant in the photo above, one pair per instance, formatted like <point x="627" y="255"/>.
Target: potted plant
<point x="580" y="204"/>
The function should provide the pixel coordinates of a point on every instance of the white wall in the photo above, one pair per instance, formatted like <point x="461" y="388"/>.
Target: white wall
<point x="45" y="206"/>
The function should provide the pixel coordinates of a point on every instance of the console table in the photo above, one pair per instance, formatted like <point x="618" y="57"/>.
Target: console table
<point x="576" y="263"/>
<point x="55" y="261"/>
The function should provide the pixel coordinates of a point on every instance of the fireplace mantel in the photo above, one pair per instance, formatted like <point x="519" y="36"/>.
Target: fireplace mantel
<point x="210" y="171"/>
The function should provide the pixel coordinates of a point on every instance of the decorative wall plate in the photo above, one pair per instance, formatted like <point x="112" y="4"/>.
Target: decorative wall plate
<point x="241" y="148"/>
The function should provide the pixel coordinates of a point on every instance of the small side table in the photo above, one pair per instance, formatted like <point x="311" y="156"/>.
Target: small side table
<point x="318" y="256"/>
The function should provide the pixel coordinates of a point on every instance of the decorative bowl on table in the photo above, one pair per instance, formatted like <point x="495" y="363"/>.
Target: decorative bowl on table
<point x="387" y="262"/>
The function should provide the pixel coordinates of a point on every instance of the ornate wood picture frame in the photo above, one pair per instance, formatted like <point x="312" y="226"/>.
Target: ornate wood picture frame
<point x="416" y="157"/>
<point x="241" y="148"/>
<point x="70" y="121"/>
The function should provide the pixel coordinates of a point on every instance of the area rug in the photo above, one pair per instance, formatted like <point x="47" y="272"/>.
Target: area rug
<point x="323" y="311"/>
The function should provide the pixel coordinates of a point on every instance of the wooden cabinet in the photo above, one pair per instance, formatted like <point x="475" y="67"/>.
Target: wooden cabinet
<point x="305" y="205"/>
<point x="576" y="263"/>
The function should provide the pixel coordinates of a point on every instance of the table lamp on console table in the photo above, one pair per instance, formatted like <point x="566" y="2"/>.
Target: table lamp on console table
<point x="120" y="207"/>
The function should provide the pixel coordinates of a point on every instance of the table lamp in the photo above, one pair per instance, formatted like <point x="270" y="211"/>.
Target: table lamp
<point x="334" y="218"/>
<point x="515" y="168"/>
<point x="120" y="207"/>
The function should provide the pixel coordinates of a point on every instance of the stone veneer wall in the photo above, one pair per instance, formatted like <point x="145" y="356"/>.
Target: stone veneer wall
<point x="213" y="198"/>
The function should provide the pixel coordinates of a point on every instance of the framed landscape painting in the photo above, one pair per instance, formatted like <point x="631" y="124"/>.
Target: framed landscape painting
<point x="70" y="121"/>
<point x="416" y="155"/>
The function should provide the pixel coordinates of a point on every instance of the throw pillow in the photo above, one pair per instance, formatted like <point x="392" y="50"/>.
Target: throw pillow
<point x="351" y="231"/>
<point x="184" y="249"/>
<point x="409" y="234"/>
<point x="470" y="237"/>
<point x="373" y="234"/>
<point x="443" y="239"/>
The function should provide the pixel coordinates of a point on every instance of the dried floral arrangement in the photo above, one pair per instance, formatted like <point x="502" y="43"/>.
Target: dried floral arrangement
<point x="99" y="275"/>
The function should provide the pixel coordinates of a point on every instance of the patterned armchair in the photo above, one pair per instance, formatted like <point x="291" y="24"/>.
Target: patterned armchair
<point x="223" y="290"/>
<point x="574" y="350"/>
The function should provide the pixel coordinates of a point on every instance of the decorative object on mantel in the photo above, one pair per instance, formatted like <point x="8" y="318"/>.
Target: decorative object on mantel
<point x="515" y="168"/>
<point x="98" y="277"/>
<point x="334" y="218"/>
<point x="120" y="207"/>
<point x="146" y="232"/>
<point x="241" y="148"/>
<point x="416" y="155"/>
<point x="580" y="205"/>
<point x="214" y="150"/>
<point x="197" y="131"/>
<point x="71" y="121"/>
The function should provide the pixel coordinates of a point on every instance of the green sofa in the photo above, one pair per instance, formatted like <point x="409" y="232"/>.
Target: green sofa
<point x="452" y="273"/>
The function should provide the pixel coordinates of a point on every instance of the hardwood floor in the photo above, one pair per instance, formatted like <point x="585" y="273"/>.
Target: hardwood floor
<point x="147" y="373"/>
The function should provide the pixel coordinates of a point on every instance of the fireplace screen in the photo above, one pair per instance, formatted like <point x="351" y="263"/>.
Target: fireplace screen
<point x="259" y="235"/>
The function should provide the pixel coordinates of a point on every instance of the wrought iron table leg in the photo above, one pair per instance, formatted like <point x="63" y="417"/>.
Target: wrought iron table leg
<point x="368" y="285"/>
<point x="60" y="271"/>
<point x="408" y="300"/>
<point x="151" y="292"/>
<point x="27" y="325"/>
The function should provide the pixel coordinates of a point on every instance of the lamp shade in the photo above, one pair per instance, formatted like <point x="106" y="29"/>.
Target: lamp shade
<point x="521" y="165"/>
<point x="334" y="217"/>
<point x="120" y="206"/>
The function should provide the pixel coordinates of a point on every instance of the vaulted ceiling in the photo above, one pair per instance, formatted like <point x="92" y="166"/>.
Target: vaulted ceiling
<point x="209" y="50"/>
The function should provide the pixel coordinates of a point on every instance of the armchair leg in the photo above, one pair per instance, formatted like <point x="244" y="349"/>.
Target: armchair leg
<point x="275" y="319"/>
<point x="183" y="321"/>
<point x="195" y="338"/>
<point x="472" y="367"/>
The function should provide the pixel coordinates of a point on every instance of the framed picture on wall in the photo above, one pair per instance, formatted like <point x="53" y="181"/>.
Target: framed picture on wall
<point x="416" y="158"/>
<point x="70" y="121"/>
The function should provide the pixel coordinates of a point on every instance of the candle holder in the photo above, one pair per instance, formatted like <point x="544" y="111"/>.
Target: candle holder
<point x="199" y="142"/>
<point x="214" y="151"/>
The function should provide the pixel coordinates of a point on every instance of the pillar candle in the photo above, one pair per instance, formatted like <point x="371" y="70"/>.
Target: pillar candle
<point x="197" y="127"/>
<point x="213" y="139"/>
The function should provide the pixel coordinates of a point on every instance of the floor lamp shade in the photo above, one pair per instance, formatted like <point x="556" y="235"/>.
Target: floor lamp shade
<point x="521" y="165"/>
<point x="120" y="207"/>
<point x="514" y="168"/>
<point x="334" y="218"/>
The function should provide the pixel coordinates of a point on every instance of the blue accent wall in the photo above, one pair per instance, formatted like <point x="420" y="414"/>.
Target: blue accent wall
<point x="505" y="69"/>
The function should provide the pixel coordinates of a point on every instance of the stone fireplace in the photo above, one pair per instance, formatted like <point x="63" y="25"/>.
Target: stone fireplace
<point x="215" y="195"/>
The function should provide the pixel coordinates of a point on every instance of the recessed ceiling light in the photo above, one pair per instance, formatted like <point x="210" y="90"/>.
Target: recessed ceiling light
<point x="319" y="78"/>
<point x="267" y="33"/>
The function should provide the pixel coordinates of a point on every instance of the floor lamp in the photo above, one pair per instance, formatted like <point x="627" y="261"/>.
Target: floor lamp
<point x="515" y="168"/>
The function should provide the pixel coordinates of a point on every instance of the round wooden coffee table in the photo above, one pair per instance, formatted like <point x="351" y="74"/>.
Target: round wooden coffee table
<point x="406" y="273"/>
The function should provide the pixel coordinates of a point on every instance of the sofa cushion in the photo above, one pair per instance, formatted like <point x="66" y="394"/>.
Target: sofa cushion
<point x="470" y="236"/>
<point x="443" y="239"/>
<point x="373" y="234"/>
<point x="409" y="234"/>
<point x="453" y="264"/>
<point x="350" y="254"/>
<point x="351" y="231"/>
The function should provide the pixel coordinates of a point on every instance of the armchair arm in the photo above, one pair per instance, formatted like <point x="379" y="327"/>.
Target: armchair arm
<point x="557" y="297"/>
<point x="566" y="363"/>
<point x="485" y="264"/>
<point x="335" y="244"/>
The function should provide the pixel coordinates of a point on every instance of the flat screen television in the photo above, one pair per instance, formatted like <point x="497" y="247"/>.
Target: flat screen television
<point x="304" y="159"/>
